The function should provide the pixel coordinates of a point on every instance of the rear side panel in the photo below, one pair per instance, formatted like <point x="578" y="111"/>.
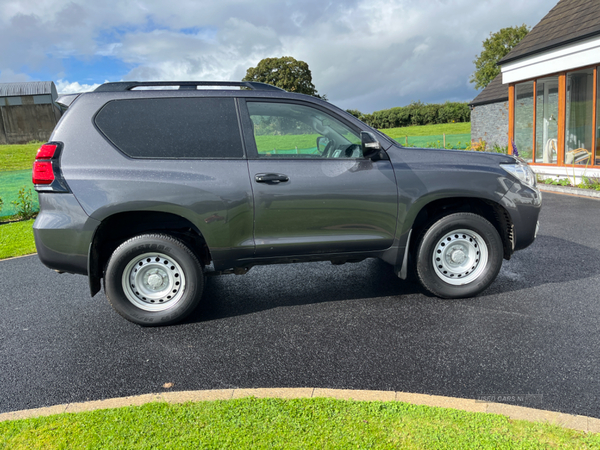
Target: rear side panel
<point x="212" y="193"/>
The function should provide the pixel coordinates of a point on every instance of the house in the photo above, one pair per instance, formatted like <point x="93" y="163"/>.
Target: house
<point x="551" y="83"/>
<point x="28" y="111"/>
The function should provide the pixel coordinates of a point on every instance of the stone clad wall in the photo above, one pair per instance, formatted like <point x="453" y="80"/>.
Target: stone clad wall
<point x="490" y="124"/>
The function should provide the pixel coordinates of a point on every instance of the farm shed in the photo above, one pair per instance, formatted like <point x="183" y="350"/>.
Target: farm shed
<point x="27" y="111"/>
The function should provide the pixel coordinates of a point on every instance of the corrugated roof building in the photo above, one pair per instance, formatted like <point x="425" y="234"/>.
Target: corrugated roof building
<point x="28" y="88"/>
<point x="28" y="111"/>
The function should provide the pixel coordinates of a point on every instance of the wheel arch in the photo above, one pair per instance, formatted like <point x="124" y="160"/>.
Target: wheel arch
<point x="116" y="229"/>
<point x="493" y="212"/>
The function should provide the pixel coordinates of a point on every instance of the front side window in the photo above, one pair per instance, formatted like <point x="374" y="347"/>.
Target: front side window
<point x="287" y="130"/>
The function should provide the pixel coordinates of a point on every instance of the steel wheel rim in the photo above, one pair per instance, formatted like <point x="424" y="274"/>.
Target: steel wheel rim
<point x="153" y="282"/>
<point x="460" y="257"/>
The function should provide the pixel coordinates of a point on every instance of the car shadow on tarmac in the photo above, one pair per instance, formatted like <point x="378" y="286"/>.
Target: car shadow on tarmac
<point x="549" y="259"/>
<point x="267" y="287"/>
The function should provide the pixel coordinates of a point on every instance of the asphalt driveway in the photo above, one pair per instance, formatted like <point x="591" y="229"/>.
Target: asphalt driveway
<point x="532" y="338"/>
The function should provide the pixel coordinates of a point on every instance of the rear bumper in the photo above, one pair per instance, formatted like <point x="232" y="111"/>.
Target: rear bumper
<point x="63" y="232"/>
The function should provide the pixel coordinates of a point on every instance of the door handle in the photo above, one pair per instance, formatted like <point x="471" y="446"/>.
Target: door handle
<point x="271" y="177"/>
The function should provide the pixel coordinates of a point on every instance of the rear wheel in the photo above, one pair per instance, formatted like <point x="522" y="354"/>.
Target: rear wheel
<point x="459" y="256"/>
<point x="154" y="279"/>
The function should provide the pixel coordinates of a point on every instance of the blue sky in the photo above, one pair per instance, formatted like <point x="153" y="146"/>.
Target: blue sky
<point x="363" y="54"/>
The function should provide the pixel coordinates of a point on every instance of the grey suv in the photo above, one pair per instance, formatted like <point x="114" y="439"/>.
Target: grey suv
<point x="149" y="186"/>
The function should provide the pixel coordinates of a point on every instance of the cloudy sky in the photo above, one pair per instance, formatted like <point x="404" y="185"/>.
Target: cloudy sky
<point x="363" y="54"/>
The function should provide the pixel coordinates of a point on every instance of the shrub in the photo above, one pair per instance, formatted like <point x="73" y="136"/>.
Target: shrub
<point x="356" y="113"/>
<point x="478" y="146"/>
<point x="499" y="149"/>
<point x="24" y="204"/>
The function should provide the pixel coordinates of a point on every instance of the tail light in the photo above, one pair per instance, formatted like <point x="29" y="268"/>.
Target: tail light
<point x="46" y="175"/>
<point x="42" y="167"/>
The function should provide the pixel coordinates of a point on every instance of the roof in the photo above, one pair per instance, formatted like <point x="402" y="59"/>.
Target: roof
<point x="493" y="93"/>
<point x="28" y="88"/>
<point x="569" y="21"/>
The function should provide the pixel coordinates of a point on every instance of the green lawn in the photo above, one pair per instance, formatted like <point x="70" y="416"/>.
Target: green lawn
<point x="428" y="130"/>
<point x="276" y="423"/>
<point x="289" y="143"/>
<point x="16" y="239"/>
<point x="16" y="162"/>
<point x="18" y="157"/>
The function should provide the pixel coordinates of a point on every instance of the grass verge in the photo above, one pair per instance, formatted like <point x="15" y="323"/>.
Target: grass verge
<point x="428" y="130"/>
<point x="18" y="157"/>
<point x="278" y="423"/>
<point x="16" y="239"/>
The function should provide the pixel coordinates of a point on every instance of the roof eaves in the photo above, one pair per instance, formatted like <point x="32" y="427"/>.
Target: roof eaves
<point x="488" y="101"/>
<point x="549" y="46"/>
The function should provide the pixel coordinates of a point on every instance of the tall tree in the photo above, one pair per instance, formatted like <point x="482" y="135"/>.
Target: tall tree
<point x="285" y="73"/>
<point x="495" y="48"/>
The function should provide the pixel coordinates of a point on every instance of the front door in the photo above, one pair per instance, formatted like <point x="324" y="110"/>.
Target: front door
<point x="314" y="192"/>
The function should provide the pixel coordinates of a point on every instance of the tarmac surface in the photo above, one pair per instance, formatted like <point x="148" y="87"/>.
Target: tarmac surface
<point x="532" y="339"/>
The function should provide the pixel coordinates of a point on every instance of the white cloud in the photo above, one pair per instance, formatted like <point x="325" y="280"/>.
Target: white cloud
<point x="9" y="76"/>
<point x="365" y="54"/>
<point x="68" y="87"/>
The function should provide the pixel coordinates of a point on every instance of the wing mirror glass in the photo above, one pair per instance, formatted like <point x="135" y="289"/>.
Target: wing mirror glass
<point x="370" y="144"/>
<point x="322" y="143"/>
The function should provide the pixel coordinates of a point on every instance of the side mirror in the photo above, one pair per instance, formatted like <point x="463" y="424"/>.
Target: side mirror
<point x="322" y="143"/>
<point x="369" y="143"/>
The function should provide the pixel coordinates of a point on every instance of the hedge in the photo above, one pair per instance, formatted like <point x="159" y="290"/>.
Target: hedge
<point x="416" y="113"/>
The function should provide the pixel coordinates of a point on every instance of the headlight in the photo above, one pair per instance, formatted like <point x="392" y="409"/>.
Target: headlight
<point x="522" y="171"/>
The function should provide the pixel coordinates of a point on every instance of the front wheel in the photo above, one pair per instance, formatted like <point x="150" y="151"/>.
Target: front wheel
<point x="154" y="279"/>
<point x="459" y="256"/>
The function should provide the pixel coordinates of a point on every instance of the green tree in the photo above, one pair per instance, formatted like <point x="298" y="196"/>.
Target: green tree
<point x="356" y="113"/>
<point x="285" y="73"/>
<point x="495" y="48"/>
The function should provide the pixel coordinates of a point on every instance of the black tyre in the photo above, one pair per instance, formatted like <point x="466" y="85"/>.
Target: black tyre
<point x="154" y="279"/>
<point x="459" y="256"/>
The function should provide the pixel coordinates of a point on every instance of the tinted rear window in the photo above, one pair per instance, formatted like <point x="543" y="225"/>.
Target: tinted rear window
<point x="173" y="127"/>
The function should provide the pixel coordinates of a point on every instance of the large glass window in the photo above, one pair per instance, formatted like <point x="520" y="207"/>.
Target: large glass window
<point x="579" y="117"/>
<point x="546" y="122"/>
<point x="598" y="118"/>
<point x="524" y="120"/>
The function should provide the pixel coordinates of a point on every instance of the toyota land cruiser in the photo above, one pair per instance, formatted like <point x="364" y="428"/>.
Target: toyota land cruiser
<point x="147" y="185"/>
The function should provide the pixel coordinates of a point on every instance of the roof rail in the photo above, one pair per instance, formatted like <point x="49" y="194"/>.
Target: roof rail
<point x="183" y="85"/>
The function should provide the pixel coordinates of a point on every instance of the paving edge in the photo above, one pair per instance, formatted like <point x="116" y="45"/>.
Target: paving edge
<point x="567" y="190"/>
<point x="17" y="257"/>
<point x="575" y="422"/>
